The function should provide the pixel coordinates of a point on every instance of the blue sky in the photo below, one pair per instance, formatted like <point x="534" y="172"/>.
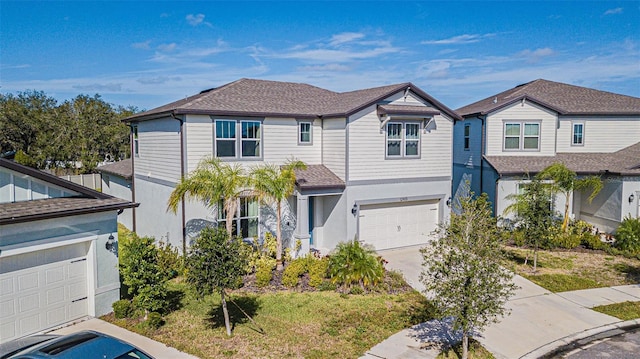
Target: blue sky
<point x="147" y="54"/>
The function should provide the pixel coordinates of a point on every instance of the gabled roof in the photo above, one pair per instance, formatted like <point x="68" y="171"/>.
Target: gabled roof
<point x="562" y="98"/>
<point x="249" y="97"/>
<point x="318" y="177"/>
<point x="625" y="162"/>
<point x="87" y="200"/>
<point x="122" y="168"/>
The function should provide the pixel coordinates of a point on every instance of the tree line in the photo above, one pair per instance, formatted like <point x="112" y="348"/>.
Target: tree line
<point x="69" y="137"/>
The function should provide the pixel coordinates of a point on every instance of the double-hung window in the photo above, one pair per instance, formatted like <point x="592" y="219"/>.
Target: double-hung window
<point x="304" y="133"/>
<point x="402" y="140"/>
<point x="135" y="141"/>
<point x="235" y="139"/>
<point x="245" y="220"/>
<point x="522" y="136"/>
<point x="467" y="136"/>
<point x="577" y="134"/>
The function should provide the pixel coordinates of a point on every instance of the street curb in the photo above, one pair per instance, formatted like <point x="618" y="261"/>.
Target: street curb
<point x="574" y="340"/>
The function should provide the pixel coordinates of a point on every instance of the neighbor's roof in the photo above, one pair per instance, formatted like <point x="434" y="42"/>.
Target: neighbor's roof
<point x="625" y="162"/>
<point x="86" y="201"/>
<point x="318" y="177"/>
<point x="562" y="98"/>
<point x="122" y="168"/>
<point x="249" y="97"/>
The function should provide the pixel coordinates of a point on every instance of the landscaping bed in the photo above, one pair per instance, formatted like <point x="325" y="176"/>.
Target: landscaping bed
<point x="580" y="268"/>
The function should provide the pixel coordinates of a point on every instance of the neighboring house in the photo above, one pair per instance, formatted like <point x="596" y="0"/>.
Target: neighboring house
<point x="54" y="263"/>
<point x="379" y="161"/>
<point x="519" y="132"/>
<point x="117" y="182"/>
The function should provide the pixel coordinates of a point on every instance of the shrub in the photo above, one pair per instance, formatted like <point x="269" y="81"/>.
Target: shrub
<point x="264" y="271"/>
<point x="154" y="320"/>
<point x="353" y="263"/>
<point x="317" y="270"/>
<point x="293" y="271"/>
<point x="326" y="285"/>
<point x="122" y="309"/>
<point x="592" y="241"/>
<point x="170" y="259"/>
<point x="628" y="235"/>
<point x="568" y="240"/>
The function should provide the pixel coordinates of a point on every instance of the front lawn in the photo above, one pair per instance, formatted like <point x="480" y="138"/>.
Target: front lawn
<point x="296" y="324"/>
<point x="623" y="311"/>
<point x="566" y="270"/>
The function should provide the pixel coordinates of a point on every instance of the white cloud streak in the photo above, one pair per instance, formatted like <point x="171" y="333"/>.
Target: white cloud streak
<point x="614" y="11"/>
<point x="458" y="40"/>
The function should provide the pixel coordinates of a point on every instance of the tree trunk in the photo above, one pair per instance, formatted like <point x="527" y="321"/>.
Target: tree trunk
<point x="535" y="260"/>
<point x="279" y="265"/>
<point x="465" y="346"/>
<point x="226" y="313"/>
<point x="565" y="221"/>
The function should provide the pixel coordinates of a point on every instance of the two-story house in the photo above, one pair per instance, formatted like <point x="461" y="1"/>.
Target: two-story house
<point x="58" y="251"/>
<point x="379" y="161"/>
<point x="518" y="132"/>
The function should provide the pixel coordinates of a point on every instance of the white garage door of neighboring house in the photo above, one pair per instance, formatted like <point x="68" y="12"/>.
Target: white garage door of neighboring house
<point x="392" y="225"/>
<point x="42" y="296"/>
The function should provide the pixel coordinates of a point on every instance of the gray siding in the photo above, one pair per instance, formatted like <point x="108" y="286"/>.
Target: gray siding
<point x="334" y="145"/>
<point x="119" y="187"/>
<point x="159" y="149"/>
<point x="601" y="134"/>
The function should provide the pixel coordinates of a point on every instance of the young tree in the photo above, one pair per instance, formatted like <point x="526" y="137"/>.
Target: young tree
<point x="216" y="262"/>
<point x="211" y="182"/>
<point x="565" y="181"/>
<point x="534" y="215"/>
<point x="274" y="184"/>
<point x="463" y="272"/>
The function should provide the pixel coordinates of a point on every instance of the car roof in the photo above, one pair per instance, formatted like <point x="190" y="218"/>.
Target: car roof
<point x="12" y="347"/>
<point x="85" y="344"/>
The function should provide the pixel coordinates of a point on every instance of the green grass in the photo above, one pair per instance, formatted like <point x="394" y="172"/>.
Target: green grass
<point x="623" y="311"/>
<point x="476" y="351"/>
<point x="288" y="324"/>
<point x="562" y="282"/>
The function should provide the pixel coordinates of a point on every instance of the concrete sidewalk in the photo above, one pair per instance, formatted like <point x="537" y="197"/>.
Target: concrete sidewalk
<point x="538" y="317"/>
<point x="156" y="349"/>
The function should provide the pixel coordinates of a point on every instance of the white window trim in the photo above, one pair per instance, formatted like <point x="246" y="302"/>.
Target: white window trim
<point x="303" y="143"/>
<point x="403" y="140"/>
<point x="522" y="136"/>
<point x="237" y="218"/>
<point x="466" y="137"/>
<point x="238" y="140"/>
<point x="136" y="140"/>
<point x="573" y="128"/>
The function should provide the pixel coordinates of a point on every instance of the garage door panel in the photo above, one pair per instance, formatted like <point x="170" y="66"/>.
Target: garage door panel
<point x="6" y="286"/>
<point x="29" y="302"/>
<point x="56" y="316"/>
<point x="28" y="281"/>
<point x="7" y="309"/>
<point x="77" y="290"/>
<point x="55" y="295"/>
<point x="54" y="275"/>
<point x="30" y="324"/>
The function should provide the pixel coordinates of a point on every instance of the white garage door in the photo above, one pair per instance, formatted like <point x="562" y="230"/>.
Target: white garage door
<point x="392" y="225"/>
<point x="42" y="296"/>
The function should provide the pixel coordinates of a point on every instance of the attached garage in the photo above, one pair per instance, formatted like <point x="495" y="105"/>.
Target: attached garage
<point x="398" y="224"/>
<point x="42" y="289"/>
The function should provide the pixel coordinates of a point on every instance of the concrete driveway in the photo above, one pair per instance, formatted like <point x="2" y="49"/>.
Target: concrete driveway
<point x="538" y="317"/>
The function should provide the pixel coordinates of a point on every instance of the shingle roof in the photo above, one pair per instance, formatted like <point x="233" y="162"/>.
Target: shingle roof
<point x="563" y="98"/>
<point x="625" y="162"/>
<point x="122" y="168"/>
<point x="318" y="177"/>
<point x="251" y="97"/>
<point x="87" y="200"/>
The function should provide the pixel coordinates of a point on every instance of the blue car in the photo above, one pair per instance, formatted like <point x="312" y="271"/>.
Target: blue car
<point x="85" y="344"/>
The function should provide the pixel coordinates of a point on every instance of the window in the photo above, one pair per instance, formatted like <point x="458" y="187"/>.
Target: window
<point x="246" y="218"/>
<point x="522" y="136"/>
<point x="467" y="134"/>
<point x="304" y="133"/>
<point x="228" y="144"/>
<point x="403" y="139"/>
<point x="135" y="140"/>
<point x="578" y="134"/>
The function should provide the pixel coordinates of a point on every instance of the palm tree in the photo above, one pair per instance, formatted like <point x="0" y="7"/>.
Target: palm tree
<point x="211" y="182"/>
<point x="565" y="181"/>
<point x="274" y="184"/>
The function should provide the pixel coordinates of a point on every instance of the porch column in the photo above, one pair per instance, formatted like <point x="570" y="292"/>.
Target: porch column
<point x="302" y="224"/>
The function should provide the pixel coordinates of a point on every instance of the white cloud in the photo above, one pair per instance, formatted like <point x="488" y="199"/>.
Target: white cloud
<point x="197" y="19"/>
<point x="460" y="39"/>
<point x="322" y="55"/>
<point x="325" y="68"/>
<point x="145" y="45"/>
<point x="614" y="11"/>
<point x="98" y="87"/>
<point x="537" y="54"/>
<point x="167" y="47"/>
<point x="345" y="37"/>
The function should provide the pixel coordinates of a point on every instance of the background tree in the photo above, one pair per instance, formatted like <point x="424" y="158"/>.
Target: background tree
<point x="274" y="184"/>
<point x="213" y="181"/>
<point x="533" y="214"/>
<point x="566" y="182"/>
<point x="216" y="262"/>
<point x="462" y="270"/>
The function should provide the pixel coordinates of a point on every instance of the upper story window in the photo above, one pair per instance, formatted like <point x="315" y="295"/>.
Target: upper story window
<point x="521" y="136"/>
<point x="304" y="133"/>
<point x="578" y="134"/>
<point x="135" y="140"/>
<point x="403" y="140"/>
<point x="229" y="145"/>
<point x="467" y="136"/>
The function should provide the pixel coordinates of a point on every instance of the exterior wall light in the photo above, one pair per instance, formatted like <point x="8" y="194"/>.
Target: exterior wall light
<point x="449" y="202"/>
<point x="354" y="210"/>
<point x="110" y="242"/>
<point x="631" y="198"/>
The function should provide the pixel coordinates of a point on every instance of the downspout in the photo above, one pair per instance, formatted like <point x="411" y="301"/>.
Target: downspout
<point x="482" y="150"/>
<point x="183" y="220"/>
<point x="133" y="178"/>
